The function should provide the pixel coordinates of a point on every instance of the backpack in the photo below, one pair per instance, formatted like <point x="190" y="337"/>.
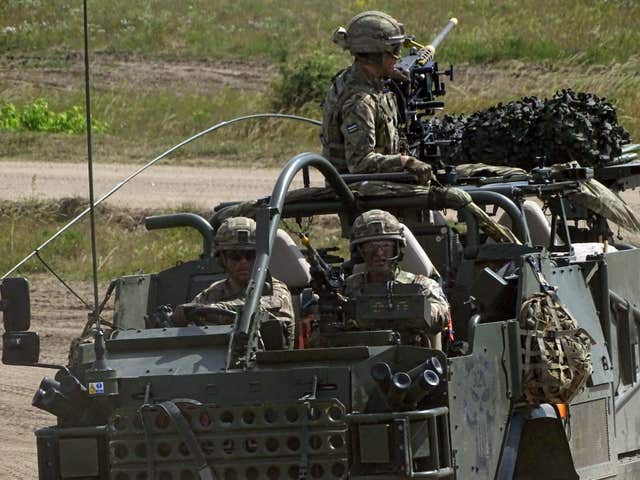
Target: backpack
<point x="556" y="353"/>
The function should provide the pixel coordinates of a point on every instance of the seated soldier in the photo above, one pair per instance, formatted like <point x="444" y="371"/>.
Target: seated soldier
<point x="377" y="239"/>
<point x="235" y="248"/>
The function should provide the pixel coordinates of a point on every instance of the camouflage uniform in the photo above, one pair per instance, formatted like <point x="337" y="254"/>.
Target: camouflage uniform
<point x="239" y="234"/>
<point x="360" y="116"/>
<point x="276" y="299"/>
<point x="360" y="124"/>
<point x="377" y="225"/>
<point x="439" y="317"/>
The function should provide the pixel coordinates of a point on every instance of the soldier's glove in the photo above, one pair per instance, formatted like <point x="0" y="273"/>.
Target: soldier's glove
<point x="400" y="75"/>
<point x="420" y="169"/>
<point x="180" y="313"/>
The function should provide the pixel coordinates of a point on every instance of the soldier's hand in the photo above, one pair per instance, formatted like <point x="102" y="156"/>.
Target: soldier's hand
<point x="420" y="169"/>
<point x="181" y="312"/>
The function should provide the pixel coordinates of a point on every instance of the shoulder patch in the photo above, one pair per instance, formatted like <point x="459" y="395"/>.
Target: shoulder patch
<point x="352" y="128"/>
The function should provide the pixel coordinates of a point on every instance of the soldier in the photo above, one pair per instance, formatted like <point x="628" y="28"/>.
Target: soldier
<point x="235" y="246"/>
<point x="377" y="238"/>
<point x="360" y="116"/>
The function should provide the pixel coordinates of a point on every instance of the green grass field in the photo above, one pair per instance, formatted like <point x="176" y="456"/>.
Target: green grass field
<point x="26" y="225"/>
<point x="593" y="31"/>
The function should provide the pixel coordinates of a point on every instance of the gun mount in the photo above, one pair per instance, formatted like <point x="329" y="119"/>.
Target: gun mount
<point x="417" y="86"/>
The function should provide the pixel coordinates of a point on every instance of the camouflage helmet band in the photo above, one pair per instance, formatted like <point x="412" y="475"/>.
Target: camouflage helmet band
<point x="237" y="233"/>
<point x="371" y="32"/>
<point x="376" y="225"/>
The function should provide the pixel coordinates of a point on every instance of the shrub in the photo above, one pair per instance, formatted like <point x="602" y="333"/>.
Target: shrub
<point x="37" y="117"/>
<point x="305" y="81"/>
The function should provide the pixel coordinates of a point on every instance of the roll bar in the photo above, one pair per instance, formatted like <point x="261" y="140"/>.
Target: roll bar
<point x="192" y="220"/>
<point x="268" y="217"/>
<point x="485" y="197"/>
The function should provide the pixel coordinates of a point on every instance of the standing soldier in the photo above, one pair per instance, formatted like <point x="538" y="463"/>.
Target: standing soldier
<point x="360" y="115"/>
<point x="377" y="238"/>
<point x="235" y="246"/>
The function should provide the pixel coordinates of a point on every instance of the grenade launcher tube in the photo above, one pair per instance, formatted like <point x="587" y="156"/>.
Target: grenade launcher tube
<point x="267" y="219"/>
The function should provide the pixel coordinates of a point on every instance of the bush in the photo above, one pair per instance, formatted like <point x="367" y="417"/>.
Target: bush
<point x="305" y="81"/>
<point x="37" y="117"/>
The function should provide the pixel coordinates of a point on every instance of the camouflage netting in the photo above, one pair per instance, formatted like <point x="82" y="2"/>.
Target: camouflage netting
<point x="568" y="127"/>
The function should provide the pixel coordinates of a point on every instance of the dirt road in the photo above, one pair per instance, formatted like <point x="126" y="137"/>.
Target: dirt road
<point x="159" y="186"/>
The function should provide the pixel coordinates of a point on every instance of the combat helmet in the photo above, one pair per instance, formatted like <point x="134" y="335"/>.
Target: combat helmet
<point x="236" y="233"/>
<point x="371" y="32"/>
<point x="376" y="225"/>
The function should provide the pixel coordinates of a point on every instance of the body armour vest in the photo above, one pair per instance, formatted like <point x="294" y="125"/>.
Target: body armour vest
<point x="362" y="109"/>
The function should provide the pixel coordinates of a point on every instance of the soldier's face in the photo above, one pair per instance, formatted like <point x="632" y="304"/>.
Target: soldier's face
<point x="388" y="64"/>
<point x="239" y="264"/>
<point x="379" y="255"/>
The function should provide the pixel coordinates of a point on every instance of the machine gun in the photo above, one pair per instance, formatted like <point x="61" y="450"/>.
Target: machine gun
<point x="416" y="86"/>
<point x="323" y="275"/>
<point x="327" y="282"/>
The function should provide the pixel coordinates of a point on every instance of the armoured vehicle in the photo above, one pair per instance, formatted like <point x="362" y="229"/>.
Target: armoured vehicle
<point x="209" y="401"/>
<point x="167" y="402"/>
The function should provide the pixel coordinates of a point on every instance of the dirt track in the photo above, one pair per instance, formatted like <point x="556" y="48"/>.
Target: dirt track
<point x="159" y="186"/>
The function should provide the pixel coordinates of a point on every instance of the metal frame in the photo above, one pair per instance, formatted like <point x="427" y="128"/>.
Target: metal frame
<point x="402" y="423"/>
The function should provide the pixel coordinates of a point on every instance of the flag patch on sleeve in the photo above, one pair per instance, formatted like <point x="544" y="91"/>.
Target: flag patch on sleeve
<point x="352" y="128"/>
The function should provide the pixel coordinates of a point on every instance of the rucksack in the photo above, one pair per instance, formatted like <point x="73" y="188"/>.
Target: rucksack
<point x="556" y="352"/>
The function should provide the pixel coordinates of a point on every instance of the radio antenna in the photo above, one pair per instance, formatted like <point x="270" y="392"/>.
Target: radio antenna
<point x="99" y="345"/>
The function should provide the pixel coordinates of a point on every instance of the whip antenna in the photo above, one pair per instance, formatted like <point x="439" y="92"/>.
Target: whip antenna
<point x="99" y="344"/>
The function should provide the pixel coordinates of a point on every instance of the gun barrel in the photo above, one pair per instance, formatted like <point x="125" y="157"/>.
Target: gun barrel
<point x="445" y="31"/>
<point x="314" y="255"/>
<point x="435" y="43"/>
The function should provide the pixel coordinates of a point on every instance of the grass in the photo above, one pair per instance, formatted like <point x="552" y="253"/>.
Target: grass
<point x="124" y="245"/>
<point x="595" y="31"/>
<point x="504" y="50"/>
<point x="146" y="120"/>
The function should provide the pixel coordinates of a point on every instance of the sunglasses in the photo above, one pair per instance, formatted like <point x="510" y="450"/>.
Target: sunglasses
<point x="387" y="247"/>
<point x="238" y="255"/>
<point x="395" y="53"/>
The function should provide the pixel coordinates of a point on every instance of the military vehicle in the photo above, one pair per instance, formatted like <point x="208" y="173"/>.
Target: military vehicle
<point x="178" y="403"/>
<point x="150" y="400"/>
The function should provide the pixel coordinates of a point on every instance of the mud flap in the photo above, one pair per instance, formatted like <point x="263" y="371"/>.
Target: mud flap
<point x="536" y="448"/>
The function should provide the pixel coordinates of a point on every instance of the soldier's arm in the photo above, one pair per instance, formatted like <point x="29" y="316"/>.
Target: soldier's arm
<point x="359" y="132"/>
<point x="207" y="297"/>
<point x="280" y="305"/>
<point x="439" y="305"/>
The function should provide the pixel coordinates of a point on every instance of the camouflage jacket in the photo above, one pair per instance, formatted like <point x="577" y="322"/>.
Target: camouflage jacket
<point x="430" y="288"/>
<point x="276" y="299"/>
<point x="360" y="124"/>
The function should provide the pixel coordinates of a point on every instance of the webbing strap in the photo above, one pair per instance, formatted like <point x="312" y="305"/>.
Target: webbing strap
<point x="171" y="409"/>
